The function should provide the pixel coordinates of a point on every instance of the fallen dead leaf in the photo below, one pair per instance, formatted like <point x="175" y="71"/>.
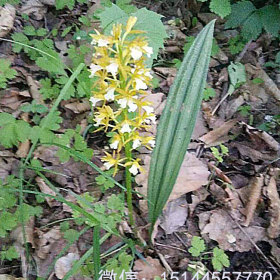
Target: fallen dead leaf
<point x="260" y="137"/>
<point x="23" y="149"/>
<point x="34" y="87"/>
<point x="200" y="127"/>
<point x="253" y="154"/>
<point x="10" y="99"/>
<point x="47" y="190"/>
<point x="275" y="250"/>
<point x="256" y="185"/>
<point x="192" y="175"/>
<point x="64" y="264"/>
<point x="148" y="269"/>
<point x="268" y="84"/>
<point x="21" y="241"/>
<point x="9" y="277"/>
<point x="219" y="226"/>
<point x="17" y="234"/>
<point x="175" y="215"/>
<point x="47" y="241"/>
<point x="157" y="101"/>
<point x="232" y="107"/>
<point x="6" y="166"/>
<point x="213" y="137"/>
<point x="7" y="18"/>
<point x="78" y="107"/>
<point x="34" y="8"/>
<point x="197" y="197"/>
<point x="219" y="173"/>
<point x="274" y="208"/>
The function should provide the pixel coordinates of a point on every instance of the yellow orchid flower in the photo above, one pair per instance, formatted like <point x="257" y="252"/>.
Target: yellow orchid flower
<point x="121" y="83"/>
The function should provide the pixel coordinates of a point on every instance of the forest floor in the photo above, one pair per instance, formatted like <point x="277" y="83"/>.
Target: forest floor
<point x="228" y="195"/>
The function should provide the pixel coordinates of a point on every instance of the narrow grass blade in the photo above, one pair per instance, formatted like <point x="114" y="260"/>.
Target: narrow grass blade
<point x="177" y="122"/>
<point x="96" y="252"/>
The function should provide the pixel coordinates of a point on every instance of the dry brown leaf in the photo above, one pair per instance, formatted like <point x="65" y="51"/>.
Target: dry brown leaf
<point x="10" y="277"/>
<point x="23" y="149"/>
<point x="220" y="227"/>
<point x="64" y="264"/>
<point x="232" y="107"/>
<point x="253" y="154"/>
<point x="259" y="136"/>
<point x="268" y="83"/>
<point x="256" y="185"/>
<point x="47" y="190"/>
<point x="220" y="174"/>
<point x="212" y="137"/>
<point x="7" y="18"/>
<point x="34" y="8"/>
<point x="275" y="250"/>
<point x="166" y="71"/>
<point x="192" y="175"/>
<point x="274" y="208"/>
<point x="175" y="214"/>
<point x="5" y="168"/>
<point x="47" y="241"/>
<point x="20" y="242"/>
<point x="148" y="269"/>
<point x="157" y="100"/>
<point x="10" y="99"/>
<point x="78" y="107"/>
<point x="200" y="127"/>
<point x="49" y="245"/>
<point x="17" y="234"/>
<point x="197" y="197"/>
<point x="34" y="87"/>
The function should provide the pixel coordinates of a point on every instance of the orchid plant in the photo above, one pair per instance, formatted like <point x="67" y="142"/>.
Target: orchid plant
<point x="120" y="85"/>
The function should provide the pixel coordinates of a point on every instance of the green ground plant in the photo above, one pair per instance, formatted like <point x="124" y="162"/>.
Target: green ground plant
<point x="63" y="82"/>
<point x="219" y="259"/>
<point x="6" y="72"/>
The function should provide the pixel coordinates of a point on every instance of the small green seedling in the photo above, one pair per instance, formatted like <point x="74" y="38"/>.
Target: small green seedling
<point x="219" y="154"/>
<point x="218" y="257"/>
<point x="244" y="110"/>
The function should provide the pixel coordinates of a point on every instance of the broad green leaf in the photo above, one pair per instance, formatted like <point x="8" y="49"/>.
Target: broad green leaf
<point x="220" y="7"/>
<point x="252" y="27"/>
<point x="270" y="17"/>
<point x="237" y="74"/>
<point x="151" y="23"/>
<point x="148" y="21"/>
<point x="240" y="12"/>
<point x="177" y="122"/>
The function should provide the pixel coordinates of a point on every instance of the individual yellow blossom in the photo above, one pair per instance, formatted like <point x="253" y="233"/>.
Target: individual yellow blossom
<point x="112" y="161"/>
<point x="134" y="166"/>
<point x="117" y="142"/>
<point x="104" y="116"/>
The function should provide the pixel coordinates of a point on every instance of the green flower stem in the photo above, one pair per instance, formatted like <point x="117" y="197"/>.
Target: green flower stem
<point x="128" y="184"/>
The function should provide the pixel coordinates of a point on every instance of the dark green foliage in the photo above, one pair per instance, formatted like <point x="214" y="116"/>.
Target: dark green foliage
<point x="252" y="20"/>
<point x="6" y="72"/>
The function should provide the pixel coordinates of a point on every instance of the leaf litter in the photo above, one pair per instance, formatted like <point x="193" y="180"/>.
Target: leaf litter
<point x="199" y="192"/>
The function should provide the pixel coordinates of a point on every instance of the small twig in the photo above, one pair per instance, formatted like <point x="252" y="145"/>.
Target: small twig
<point x="164" y="262"/>
<point x="171" y="247"/>
<point x="181" y="240"/>
<point x="254" y="244"/>
<point x="9" y="267"/>
<point x="240" y="56"/>
<point x="225" y="94"/>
